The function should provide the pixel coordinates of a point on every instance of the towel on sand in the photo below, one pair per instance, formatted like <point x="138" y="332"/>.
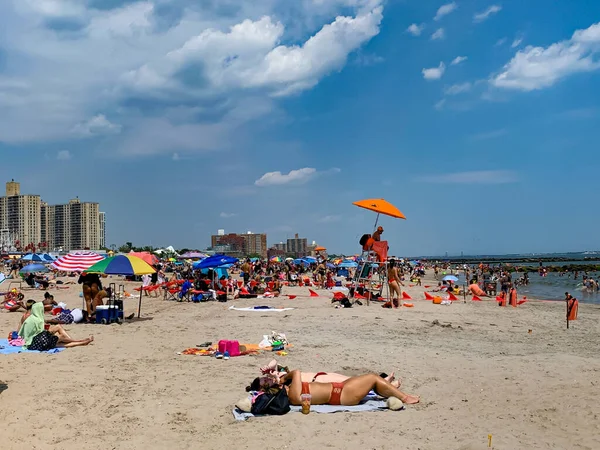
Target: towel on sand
<point x="372" y="402"/>
<point x="7" y="349"/>
<point x="260" y="309"/>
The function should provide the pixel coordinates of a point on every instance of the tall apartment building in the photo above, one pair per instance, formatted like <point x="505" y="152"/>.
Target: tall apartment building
<point x="240" y="244"/>
<point x="102" y="229"/>
<point x="297" y="246"/>
<point x="20" y="215"/>
<point x="73" y="226"/>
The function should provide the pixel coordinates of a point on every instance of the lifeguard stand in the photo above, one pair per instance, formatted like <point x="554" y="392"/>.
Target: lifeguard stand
<point x="371" y="273"/>
<point x="369" y="263"/>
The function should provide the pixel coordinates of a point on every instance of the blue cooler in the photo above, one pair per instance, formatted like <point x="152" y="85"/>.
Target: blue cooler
<point x="102" y="314"/>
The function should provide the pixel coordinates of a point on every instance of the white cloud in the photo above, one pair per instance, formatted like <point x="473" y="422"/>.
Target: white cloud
<point x="458" y="60"/>
<point x="249" y="56"/>
<point x="444" y="10"/>
<point x="500" y="42"/>
<point x="415" y="29"/>
<point x="434" y="73"/>
<point x="225" y="215"/>
<point x="538" y="67"/>
<point x="438" y="34"/>
<point x="63" y="155"/>
<point x="456" y="89"/>
<point x="516" y="42"/>
<point x="175" y="157"/>
<point x="484" y="15"/>
<point x="440" y="105"/>
<point x="97" y="125"/>
<point x="293" y="176"/>
<point x="473" y="177"/>
<point x="197" y="74"/>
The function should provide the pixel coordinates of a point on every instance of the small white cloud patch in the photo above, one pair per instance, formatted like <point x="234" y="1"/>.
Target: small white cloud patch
<point x="484" y="15"/>
<point x="458" y="60"/>
<point x="434" y="73"/>
<point x="415" y="29"/>
<point x="444" y="10"/>
<point x="438" y="35"/>
<point x="278" y="178"/>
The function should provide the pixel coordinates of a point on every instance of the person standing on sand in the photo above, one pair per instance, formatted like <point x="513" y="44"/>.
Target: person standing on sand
<point x="394" y="283"/>
<point x="247" y="269"/>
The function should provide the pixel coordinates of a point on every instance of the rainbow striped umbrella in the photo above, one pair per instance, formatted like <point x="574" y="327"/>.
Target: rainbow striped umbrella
<point x="275" y="259"/>
<point x="122" y="265"/>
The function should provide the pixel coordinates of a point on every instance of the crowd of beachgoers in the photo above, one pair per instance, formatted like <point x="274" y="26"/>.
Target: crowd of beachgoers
<point x="182" y="296"/>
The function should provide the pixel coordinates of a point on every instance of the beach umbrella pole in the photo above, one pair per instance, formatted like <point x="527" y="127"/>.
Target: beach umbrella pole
<point x="140" y="303"/>
<point x="376" y="221"/>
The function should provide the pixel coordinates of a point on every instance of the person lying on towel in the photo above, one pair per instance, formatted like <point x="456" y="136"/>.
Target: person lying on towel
<point x="273" y="368"/>
<point x="348" y="393"/>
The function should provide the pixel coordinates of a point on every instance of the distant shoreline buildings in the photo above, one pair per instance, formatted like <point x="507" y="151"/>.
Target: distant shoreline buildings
<point x="239" y="245"/>
<point x="29" y="224"/>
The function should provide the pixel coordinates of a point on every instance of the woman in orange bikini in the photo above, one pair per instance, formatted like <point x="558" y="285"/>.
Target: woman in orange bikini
<point x="394" y="282"/>
<point x="347" y="393"/>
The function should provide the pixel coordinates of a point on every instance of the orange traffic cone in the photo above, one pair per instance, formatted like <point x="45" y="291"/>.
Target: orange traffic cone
<point x="428" y="296"/>
<point x="313" y="293"/>
<point x="476" y="299"/>
<point x="452" y="297"/>
<point x="405" y="296"/>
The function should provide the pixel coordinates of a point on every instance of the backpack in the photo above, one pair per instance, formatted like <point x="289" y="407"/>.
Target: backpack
<point x="274" y="404"/>
<point x="364" y="238"/>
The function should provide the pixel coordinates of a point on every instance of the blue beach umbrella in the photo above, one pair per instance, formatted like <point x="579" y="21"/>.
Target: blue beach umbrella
<point x="34" y="257"/>
<point x="32" y="268"/>
<point x="348" y="264"/>
<point x="450" y="278"/>
<point x="214" y="261"/>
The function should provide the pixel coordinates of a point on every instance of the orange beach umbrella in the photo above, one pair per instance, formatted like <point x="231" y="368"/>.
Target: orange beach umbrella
<point x="380" y="206"/>
<point x="320" y="249"/>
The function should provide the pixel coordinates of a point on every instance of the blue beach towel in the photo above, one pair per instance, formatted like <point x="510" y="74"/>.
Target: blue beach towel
<point x="7" y="349"/>
<point x="372" y="402"/>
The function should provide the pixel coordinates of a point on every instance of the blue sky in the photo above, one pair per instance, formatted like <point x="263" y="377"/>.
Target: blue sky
<point x="478" y="119"/>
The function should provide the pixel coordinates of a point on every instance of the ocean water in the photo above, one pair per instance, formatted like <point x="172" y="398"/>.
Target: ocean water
<point x="552" y="287"/>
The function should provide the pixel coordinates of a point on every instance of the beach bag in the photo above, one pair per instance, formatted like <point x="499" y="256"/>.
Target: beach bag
<point x="232" y="347"/>
<point x="273" y="404"/>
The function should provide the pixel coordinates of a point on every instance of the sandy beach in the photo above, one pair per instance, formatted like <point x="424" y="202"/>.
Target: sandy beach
<point x="477" y="369"/>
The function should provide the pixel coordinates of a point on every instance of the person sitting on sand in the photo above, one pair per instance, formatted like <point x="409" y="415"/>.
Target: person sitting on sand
<point x="348" y="393"/>
<point x="13" y="304"/>
<point x="27" y="313"/>
<point x="49" y="301"/>
<point x="274" y="370"/>
<point x="36" y="337"/>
